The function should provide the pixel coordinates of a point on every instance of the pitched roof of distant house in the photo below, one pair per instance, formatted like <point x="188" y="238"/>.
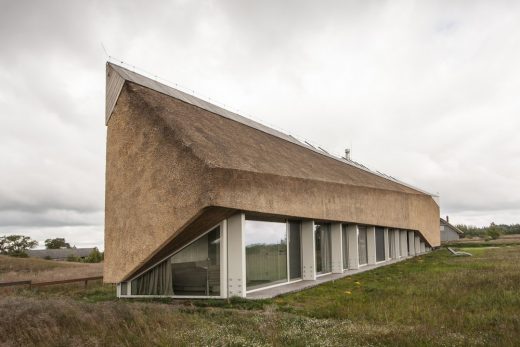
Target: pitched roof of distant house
<point x="241" y="141"/>
<point x="457" y="230"/>
<point x="61" y="253"/>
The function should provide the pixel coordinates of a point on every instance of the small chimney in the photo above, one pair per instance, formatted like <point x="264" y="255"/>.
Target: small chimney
<point x="347" y="153"/>
<point x="448" y="219"/>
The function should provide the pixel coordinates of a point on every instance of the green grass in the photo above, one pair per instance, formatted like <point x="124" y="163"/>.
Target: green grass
<point x="431" y="300"/>
<point x="434" y="296"/>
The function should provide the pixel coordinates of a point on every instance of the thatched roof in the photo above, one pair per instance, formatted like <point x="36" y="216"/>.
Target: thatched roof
<point x="249" y="145"/>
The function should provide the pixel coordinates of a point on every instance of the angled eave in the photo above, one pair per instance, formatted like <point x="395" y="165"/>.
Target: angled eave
<point x="117" y="75"/>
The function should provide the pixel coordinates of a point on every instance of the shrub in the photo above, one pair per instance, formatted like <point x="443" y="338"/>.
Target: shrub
<point x="94" y="257"/>
<point x="73" y="258"/>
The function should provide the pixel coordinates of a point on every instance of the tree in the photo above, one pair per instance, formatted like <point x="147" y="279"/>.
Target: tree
<point x="16" y="245"/>
<point x="56" y="243"/>
<point x="494" y="231"/>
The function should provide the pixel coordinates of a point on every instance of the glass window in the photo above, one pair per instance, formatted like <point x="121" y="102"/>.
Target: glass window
<point x="194" y="270"/>
<point x="295" y="256"/>
<point x="323" y="247"/>
<point x="398" y="247"/>
<point x="362" y="245"/>
<point x="266" y="253"/>
<point x="380" y="244"/>
<point x="345" y="246"/>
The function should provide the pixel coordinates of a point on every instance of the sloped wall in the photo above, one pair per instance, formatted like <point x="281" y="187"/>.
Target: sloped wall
<point x="153" y="185"/>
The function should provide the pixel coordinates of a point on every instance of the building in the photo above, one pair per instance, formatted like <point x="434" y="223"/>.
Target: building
<point x="202" y="202"/>
<point x="449" y="232"/>
<point x="60" y="253"/>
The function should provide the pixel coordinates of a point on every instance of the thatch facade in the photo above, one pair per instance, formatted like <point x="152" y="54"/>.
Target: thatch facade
<point x="177" y="165"/>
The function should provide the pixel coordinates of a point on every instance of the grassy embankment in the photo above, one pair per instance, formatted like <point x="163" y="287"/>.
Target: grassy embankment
<point x="434" y="299"/>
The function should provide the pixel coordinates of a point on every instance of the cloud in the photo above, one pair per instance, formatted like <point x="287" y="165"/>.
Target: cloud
<point x="423" y="90"/>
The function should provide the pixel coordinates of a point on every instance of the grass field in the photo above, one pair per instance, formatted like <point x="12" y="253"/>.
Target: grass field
<point x="41" y="270"/>
<point x="435" y="299"/>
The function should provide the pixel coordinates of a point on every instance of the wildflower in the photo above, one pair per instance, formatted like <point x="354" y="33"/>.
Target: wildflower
<point x="348" y="292"/>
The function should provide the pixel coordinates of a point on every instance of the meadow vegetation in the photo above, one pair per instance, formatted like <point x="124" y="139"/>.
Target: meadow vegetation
<point x="431" y="300"/>
<point x="41" y="270"/>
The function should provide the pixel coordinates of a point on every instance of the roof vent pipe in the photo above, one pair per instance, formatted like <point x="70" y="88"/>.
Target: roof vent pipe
<point x="347" y="153"/>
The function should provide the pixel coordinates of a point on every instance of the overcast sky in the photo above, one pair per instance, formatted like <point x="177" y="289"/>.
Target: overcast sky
<point x="427" y="91"/>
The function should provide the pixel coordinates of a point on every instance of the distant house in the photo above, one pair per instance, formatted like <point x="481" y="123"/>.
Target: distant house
<point x="60" y="254"/>
<point x="449" y="232"/>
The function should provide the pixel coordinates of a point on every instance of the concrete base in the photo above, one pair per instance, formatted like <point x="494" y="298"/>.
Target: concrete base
<point x="308" y="251"/>
<point x="236" y="256"/>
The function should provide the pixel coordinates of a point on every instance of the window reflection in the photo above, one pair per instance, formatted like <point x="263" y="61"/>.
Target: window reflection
<point x="266" y="253"/>
<point x="362" y="245"/>
<point x="380" y="244"/>
<point x="345" y="246"/>
<point x="323" y="248"/>
<point x="295" y="263"/>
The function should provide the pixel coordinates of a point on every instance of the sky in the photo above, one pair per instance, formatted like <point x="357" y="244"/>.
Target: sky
<point x="426" y="91"/>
